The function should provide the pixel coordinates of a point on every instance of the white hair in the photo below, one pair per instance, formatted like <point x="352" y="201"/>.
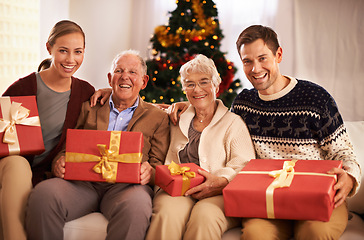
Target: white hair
<point x="200" y="64"/>
<point x="129" y="52"/>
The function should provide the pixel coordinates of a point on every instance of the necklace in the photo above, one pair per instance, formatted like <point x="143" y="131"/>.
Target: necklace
<point x="201" y="120"/>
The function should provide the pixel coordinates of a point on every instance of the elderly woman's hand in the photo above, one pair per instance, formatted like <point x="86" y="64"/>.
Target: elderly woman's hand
<point x="211" y="187"/>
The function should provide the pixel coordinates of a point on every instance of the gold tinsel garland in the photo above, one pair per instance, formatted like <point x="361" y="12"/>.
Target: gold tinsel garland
<point x="208" y="26"/>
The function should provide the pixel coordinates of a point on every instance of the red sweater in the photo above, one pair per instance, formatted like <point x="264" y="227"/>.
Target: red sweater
<point x="81" y="91"/>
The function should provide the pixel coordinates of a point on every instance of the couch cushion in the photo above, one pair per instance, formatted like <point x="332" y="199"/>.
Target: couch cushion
<point x="89" y="227"/>
<point x="356" y="134"/>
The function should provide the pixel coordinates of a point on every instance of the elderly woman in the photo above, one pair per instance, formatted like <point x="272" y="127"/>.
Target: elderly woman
<point x="213" y="138"/>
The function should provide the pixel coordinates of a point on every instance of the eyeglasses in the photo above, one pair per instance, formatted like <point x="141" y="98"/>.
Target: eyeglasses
<point x="201" y="84"/>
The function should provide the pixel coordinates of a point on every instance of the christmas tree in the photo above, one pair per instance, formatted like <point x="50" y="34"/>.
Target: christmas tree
<point x="193" y="29"/>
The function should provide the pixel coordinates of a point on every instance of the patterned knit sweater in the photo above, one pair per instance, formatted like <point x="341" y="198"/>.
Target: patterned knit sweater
<point x="301" y="121"/>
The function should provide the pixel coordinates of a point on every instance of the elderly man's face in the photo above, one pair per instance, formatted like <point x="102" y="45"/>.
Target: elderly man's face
<point x="127" y="79"/>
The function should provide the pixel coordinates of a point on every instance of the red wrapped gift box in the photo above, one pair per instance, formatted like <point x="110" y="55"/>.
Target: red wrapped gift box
<point x="177" y="185"/>
<point x="20" y="131"/>
<point x="103" y="156"/>
<point x="309" y="197"/>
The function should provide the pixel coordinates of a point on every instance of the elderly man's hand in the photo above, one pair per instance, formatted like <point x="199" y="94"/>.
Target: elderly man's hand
<point x="103" y="93"/>
<point x="343" y="186"/>
<point x="59" y="167"/>
<point x="212" y="186"/>
<point x="145" y="173"/>
<point x="175" y="111"/>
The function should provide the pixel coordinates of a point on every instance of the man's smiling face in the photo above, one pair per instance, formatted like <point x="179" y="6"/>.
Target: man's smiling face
<point x="261" y="66"/>
<point x="127" y="79"/>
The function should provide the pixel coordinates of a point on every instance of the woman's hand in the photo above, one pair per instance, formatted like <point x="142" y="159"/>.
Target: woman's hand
<point x="212" y="186"/>
<point x="103" y="93"/>
<point x="59" y="167"/>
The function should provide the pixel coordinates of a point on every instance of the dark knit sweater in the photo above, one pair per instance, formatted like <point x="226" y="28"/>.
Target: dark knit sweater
<point x="300" y="122"/>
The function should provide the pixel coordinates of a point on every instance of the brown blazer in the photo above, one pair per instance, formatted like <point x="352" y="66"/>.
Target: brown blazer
<point x="148" y="119"/>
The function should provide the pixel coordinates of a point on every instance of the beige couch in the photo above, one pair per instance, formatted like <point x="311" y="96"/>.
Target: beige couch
<point x="93" y="226"/>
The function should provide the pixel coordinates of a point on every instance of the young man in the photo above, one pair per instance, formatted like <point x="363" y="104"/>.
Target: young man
<point x="292" y="119"/>
<point x="128" y="207"/>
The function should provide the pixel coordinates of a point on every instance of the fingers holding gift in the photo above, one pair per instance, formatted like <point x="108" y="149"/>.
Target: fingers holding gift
<point x="145" y="173"/>
<point x="343" y="186"/>
<point x="59" y="167"/>
<point x="212" y="186"/>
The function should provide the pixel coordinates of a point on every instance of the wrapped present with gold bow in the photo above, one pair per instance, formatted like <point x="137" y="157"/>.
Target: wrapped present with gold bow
<point x="20" y="131"/>
<point x="282" y="189"/>
<point x="176" y="179"/>
<point x="103" y="156"/>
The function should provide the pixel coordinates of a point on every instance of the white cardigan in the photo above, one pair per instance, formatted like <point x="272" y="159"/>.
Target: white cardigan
<point x="225" y="144"/>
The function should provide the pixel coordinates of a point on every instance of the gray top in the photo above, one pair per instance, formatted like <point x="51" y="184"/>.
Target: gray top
<point x="190" y="153"/>
<point x="52" y="108"/>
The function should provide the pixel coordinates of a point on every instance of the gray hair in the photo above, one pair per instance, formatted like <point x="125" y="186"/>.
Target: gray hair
<point x="200" y="64"/>
<point x="129" y="52"/>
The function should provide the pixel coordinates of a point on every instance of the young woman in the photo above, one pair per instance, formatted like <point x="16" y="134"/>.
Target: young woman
<point x="59" y="98"/>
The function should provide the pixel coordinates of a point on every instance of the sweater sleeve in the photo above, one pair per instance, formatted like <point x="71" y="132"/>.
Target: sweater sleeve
<point x="336" y="142"/>
<point x="239" y="149"/>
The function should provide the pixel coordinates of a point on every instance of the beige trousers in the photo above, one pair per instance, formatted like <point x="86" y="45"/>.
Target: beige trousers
<point x="176" y="218"/>
<point x="269" y="229"/>
<point x="15" y="186"/>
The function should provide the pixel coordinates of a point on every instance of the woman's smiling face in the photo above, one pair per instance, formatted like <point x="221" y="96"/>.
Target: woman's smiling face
<point x="200" y="97"/>
<point x="67" y="54"/>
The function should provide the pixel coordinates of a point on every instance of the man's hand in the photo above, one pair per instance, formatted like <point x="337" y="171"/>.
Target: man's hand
<point x="212" y="186"/>
<point x="145" y="173"/>
<point x="175" y="111"/>
<point x="103" y="93"/>
<point x="343" y="185"/>
<point x="59" y="167"/>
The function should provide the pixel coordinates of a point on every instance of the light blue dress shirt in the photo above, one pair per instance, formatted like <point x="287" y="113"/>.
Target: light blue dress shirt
<point x="119" y="121"/>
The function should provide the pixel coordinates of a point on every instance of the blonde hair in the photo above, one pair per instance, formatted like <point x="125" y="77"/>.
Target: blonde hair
<point x="200" y="64"/>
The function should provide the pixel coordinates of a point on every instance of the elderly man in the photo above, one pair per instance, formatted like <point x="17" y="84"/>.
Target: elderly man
<point x="128" y="207"/>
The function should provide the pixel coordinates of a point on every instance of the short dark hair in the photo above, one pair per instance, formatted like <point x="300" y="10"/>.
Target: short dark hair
<point x="255" y="32"/>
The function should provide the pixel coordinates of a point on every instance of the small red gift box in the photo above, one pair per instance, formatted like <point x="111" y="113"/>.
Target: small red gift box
<point x="176" y="179"/>
<point x="103" y="156"/>
<point x="254" y="193"/>
<point x="20" y="131"/>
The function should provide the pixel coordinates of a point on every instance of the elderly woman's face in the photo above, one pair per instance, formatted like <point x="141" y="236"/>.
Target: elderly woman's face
<point x="200" y="90"/>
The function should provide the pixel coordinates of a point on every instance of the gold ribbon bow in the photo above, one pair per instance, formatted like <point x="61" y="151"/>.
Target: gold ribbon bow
<point x="283" y="178"/>
<point x="176" y="169"/>
<point x="13" y="113"/>
<point x="105" y="166"/>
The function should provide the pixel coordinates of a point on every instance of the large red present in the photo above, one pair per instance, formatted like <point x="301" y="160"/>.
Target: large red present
<point x="298" y="190"/>
<point x="103" y="156"/>
<point x="176" y="179"/>
<point x="20" y="131"/>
